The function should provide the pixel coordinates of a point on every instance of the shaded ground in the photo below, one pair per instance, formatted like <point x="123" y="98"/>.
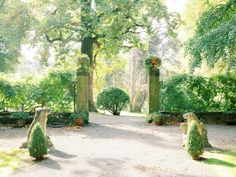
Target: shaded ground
<point x="118" y="147"/>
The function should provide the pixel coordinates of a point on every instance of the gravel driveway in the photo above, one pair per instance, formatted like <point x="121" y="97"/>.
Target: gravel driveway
<point x="118" y="147"/>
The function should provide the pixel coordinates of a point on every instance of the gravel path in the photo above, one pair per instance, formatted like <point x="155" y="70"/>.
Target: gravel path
<point x="118" y="147"/>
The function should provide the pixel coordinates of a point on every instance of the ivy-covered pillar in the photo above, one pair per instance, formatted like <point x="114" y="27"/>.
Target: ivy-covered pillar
<point x="154" y="84"/>
<point x="82" y="88"/>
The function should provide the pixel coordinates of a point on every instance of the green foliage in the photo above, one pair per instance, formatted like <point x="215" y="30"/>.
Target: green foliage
<point x="155" y="117"/>
<point x="113" y="99"/>
<point x="148" y="63"/>
<point x="6" y="93"/>
<point x="193" y="10"/>
<point x="226" y="92"/>
<point x="149" y="119"/>
<point x="109" y="72"/>
<point x="188" y="93"/>
<point x="15" y="21"/>
<point x="215" y="36"/>
<point x="19" y="115"/>
<point x="199" y="94"/>
<point x="56" y="91"/>
<point x="78" y="115"/>
<point x="107" y="23"/>
<point x="194" y="142"/>
<point x="23" y="99"/>
<point x="38" y="144"/>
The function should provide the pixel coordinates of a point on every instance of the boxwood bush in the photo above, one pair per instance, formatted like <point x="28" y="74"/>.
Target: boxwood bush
<point x="194" y="142"/>
<point x="38" y="144"/>
<point x="113" y="100"/>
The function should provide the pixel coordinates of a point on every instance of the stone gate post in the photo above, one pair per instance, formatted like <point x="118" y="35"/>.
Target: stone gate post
<point x="154" y="85"/>
<point x="82" y="85"/>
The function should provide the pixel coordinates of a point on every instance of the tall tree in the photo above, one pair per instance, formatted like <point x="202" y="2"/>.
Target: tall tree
<point x="103" y="26"/>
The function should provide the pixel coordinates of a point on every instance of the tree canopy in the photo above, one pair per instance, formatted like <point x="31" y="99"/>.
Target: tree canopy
<point x="15" y="21"/>
<point x="215" y="36"/>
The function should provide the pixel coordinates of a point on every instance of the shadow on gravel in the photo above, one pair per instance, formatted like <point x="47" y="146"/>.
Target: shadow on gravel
<point x="98" y="131"/>
<point x="108" y="166"/>
<point x="50" y="163"/>
<point x="60" y="154"/>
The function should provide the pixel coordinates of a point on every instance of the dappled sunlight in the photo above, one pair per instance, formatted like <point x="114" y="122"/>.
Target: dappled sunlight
<point x="11" y="160"/>
<point x="222" y="162"/>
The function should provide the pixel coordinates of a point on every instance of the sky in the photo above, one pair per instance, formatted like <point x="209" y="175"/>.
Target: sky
<point x="175" y="5"/>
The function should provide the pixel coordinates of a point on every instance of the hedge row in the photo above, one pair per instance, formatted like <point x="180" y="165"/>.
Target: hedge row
<point x="185" y="93"/>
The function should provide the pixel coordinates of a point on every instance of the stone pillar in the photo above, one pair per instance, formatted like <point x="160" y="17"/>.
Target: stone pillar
<point x="82" y="85"/>
<point x="154" y="85"/>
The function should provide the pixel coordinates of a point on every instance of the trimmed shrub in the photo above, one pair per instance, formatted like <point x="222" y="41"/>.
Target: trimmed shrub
<point x="113" y="99"/>
<point x="79" y="115"/>
<point x="19" y="115"/>
<point x="149" y="119"/>
<point x="38" y="143"/>
<point x="194" y="142"/>
<point x="155" y="117"/>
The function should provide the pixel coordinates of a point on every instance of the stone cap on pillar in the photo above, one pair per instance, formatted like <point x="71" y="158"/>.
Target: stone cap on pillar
<point x="152" y="65"/>
<point x="156" y="61"/>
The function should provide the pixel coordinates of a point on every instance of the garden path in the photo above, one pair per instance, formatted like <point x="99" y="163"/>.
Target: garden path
<point x="117" y="147"/>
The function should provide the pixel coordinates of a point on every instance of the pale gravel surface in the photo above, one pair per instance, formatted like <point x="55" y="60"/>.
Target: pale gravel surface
<point x="118" y="147"/>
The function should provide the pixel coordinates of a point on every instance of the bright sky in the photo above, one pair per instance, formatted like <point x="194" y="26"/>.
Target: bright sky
<point x="176" y="5"/>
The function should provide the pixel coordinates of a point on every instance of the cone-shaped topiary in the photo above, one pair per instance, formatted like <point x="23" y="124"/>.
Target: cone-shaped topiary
<point x="38" y="143"/>
<point x="194" y="142"/>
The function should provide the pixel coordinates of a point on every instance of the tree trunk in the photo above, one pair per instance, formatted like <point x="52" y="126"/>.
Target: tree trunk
<point x="87" y="49"/>
<point x="139" y="101"/>
<point x="133" y="80"/>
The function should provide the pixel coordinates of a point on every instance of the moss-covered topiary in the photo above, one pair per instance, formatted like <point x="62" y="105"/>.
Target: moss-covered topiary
<point x="194" y="142"/>
<point x="38" y="144"/>
<point x="113" y="100"/>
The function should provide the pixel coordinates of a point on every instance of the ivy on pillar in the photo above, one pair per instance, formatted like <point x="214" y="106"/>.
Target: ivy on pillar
<point x="152" y="64"/>
<point x="82" y="88"/>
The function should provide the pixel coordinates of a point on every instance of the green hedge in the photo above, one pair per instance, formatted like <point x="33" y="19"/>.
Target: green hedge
<point x="184" y="93"/>
<point x="55" y="91"/>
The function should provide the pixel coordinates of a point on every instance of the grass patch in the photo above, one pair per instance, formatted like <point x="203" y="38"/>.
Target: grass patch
<point x="11" y="160"/>
<point x="223" y="162"/>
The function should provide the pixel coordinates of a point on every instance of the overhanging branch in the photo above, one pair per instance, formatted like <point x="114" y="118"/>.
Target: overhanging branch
<point x="55" y="39"/>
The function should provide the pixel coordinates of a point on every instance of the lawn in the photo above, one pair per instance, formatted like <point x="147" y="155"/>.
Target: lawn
<point x="11" y="160"/>
<point x="223" y="162"/>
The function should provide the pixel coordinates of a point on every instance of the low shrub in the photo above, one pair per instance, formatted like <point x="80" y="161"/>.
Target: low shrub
<point x="113" y="100"/>
<point x="38" y="144"/>
<point x="157" y="118"/>
<point x="19" y="115"/>
<point x="149" y="119"/>
<point x="79" y="115"/>
<point x="194" y="142"/>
